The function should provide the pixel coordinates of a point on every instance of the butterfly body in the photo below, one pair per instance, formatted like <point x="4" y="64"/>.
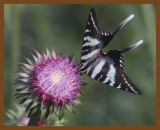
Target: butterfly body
<point x="105" y="67"/>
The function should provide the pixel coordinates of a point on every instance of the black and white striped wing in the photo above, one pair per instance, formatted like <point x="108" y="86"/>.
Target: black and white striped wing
<point x="107" y="72"/>
<point x="94" y="39"/>
<point x="123" y="82"/>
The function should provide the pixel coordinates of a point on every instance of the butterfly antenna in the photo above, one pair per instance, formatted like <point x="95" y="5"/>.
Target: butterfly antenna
<point x="132" y="47"/>
<point x="123" y="23"/>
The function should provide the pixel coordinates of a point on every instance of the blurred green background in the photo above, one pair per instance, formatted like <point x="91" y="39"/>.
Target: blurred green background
<point x="61" y="27"/>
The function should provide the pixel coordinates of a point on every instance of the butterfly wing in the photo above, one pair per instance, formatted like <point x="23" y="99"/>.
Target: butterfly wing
<point x="109" y="70"/>
<point x="123" y="82"/>
<point x="94" y="40"/>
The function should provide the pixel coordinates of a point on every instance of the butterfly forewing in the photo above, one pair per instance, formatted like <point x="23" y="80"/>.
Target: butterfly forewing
<point x="94" y="40"/>
<point x="124" y="83"/>
<point x="107" y="72"/>
<point x="92" y="29"/>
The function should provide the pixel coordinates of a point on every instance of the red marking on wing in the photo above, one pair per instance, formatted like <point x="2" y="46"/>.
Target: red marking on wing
<point x="99" y="54"/>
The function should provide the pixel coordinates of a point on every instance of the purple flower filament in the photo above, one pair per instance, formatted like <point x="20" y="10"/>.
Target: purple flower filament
<point x="57" y="79"/>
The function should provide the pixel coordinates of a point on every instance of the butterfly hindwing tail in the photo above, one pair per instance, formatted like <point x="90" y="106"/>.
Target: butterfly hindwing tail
<point x="132" y="47"/>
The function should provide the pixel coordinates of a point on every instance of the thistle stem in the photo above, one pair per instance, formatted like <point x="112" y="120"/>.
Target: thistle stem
<point x="33" y="121"/>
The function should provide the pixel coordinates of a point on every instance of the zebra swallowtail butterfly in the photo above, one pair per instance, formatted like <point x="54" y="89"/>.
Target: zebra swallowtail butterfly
<point x="105" y="67"/>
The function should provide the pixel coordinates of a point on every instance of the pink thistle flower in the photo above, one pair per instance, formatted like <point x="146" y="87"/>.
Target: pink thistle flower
<point x="48" y="85"/>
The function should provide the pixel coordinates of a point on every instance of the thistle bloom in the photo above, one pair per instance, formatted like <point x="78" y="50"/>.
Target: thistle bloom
<point x="48" y="85"/>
